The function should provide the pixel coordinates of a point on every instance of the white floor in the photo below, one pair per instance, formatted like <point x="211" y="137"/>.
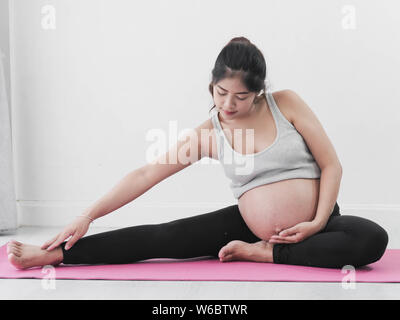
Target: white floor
<point x="191" y="290"/>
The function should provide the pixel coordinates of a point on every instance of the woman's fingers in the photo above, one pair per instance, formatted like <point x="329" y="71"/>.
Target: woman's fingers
<point x="288" y="232"/>
<point x="48" y="242"/>
<point x="60" y="239"/>
<point x="279" y="241"/>
<point x="287" y="239"/>
<point x="75" y="237"/>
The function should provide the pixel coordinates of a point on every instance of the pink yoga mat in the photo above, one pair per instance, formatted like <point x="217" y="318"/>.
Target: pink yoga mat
<point x="387" y="269"/>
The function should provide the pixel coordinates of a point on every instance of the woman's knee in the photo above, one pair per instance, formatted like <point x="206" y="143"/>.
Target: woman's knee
<point x="369" y="239"/>
<point x="378" y="241"/>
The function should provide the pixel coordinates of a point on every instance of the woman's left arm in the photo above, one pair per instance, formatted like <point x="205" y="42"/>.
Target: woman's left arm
<point x="308" y="125"/>
<point x="328" y="194"/>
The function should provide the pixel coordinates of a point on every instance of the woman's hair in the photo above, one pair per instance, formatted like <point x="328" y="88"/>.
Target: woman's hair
<point x="241" y="57"/>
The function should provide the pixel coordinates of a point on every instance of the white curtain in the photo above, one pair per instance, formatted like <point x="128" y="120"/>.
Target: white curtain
<point x="8" y="208"/>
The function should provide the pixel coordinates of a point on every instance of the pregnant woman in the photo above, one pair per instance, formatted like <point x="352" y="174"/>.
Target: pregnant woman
<point x="284" y="172"/>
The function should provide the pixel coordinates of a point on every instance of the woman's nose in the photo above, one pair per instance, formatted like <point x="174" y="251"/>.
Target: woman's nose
<point x="228" y="102"/>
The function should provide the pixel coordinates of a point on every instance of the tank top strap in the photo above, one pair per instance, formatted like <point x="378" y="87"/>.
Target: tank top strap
<point x="218" y="134"/>
<point x="280" y="119"/>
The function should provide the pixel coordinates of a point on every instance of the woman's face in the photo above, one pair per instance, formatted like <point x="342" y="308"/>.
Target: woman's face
<point x="230" y="95"/>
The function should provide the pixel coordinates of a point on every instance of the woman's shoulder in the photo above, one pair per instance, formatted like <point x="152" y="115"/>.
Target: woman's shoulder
<point x="284" y="100"/>
<point x="207" y="123"/>
<point x="284" y="93"/>
<point x="207" y="139"/>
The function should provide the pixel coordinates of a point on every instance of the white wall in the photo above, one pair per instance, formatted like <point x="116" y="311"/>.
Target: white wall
<point x="87" y="92"/>
<point x="8" y="208"/>
<point x="4" y="44"/>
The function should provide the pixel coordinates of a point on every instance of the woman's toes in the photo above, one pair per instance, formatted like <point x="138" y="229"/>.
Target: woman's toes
<point x="240" y="250"/>
<point x="14" y="260"/>
<point x="12" y="248"/>
<point x="229" y="251"/>
<point x="221" y="253"/>
<point x="16" y="251"/>
<point x="13" y="244"/>
<point x="11" y="256"/>
<point x="226" y="258"/>
<point x="224" y="252"/>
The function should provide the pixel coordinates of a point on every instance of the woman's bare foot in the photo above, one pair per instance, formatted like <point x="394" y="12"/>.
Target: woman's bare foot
<point x="23" y="256"/>
<point x="260" y="251"/>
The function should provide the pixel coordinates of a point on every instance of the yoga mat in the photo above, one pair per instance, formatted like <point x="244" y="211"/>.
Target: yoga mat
<point x="387" y="269"/>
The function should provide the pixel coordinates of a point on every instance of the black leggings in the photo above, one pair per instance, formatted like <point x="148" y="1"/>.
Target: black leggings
<point x="345" y="240"/>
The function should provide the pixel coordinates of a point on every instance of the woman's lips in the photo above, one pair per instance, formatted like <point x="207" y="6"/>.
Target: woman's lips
<point x="229" y="113"/>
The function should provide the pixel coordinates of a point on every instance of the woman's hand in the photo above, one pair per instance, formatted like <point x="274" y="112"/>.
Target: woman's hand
<point x="297" y="233"/>
<point x="77" y="229"/>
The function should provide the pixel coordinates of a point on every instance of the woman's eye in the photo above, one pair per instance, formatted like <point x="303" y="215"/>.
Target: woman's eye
<point x="223" y="94"/>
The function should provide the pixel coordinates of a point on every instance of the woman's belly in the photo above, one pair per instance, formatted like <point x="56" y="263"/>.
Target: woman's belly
<point x="279" y="205"/>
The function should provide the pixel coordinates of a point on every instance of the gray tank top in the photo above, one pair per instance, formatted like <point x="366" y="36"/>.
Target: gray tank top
<point x="288" y="157"/>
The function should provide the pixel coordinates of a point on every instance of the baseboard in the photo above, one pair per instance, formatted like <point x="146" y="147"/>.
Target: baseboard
<point x="58" y="213"/>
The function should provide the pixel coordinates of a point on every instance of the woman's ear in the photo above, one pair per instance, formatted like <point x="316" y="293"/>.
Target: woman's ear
<point x="211" y="89"/>
<point x="259" y="96"/>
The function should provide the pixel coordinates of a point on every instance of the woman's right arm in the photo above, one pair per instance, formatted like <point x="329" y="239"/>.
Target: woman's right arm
<point x="133" y="185"/>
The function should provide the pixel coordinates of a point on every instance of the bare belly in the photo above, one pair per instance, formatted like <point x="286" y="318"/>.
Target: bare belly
<point x="279" y="205"/>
